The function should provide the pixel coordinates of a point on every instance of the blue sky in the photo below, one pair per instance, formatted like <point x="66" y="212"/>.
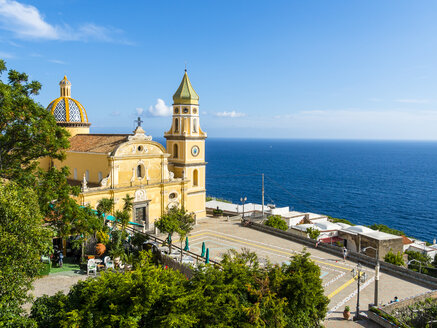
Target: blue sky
<point x="262" y="69"/>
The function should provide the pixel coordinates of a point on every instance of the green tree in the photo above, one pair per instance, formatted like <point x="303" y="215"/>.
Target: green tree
<point x="186" y="225"/>
<point x="23" y="239"/>
<point x="28" y="131"/>
<point x="169" y="223"/>
<point x="276" y="221"/>
<point x="239" y="294"/>
<point x="396" y="259"/>
<point x="313" y="233"/>
<point x="424" y="259"/>
<point x="384" y="228"/>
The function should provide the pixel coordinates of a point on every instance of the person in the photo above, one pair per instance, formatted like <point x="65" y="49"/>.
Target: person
<point x="344" y="253"/>
<point x="317" y="243"/>
<point x="396" y="299"/>
<point x="61" y="257"/>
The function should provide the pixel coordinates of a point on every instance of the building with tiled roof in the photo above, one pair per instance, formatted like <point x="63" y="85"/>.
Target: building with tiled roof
<point x="116" y="165"/>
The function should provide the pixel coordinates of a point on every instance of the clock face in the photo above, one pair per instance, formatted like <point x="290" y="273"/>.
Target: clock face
<point x="195" y="150"/>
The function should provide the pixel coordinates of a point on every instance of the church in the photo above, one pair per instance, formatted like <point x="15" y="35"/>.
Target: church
<point x="116" y="165"/>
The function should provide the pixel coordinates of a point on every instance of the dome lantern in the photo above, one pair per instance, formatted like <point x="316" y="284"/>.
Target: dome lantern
<point x="65" y="87"/>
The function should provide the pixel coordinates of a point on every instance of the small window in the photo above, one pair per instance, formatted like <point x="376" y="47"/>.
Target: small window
<point x="176" y="125"/>
<point x="87" y="175"/>
<point x="75" y="174"/>
<point x="173" y="195"/>
<point x="176" y="110"/>
<point x="185" y="110"/>
<point x="194" y="111"/>
<point x="195" y="178"/>
<point x="140" y="171"/>
<point x="195" y="125"/>
<point x="100" y="176"/>
<point x="175" y="151"/>
<point x="140" y="148"/>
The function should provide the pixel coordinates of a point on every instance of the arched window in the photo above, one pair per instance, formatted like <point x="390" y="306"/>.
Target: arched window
<point x="176" y="125"/>
<point x="140" y="171"/>
<point x="195" y="178"/>
<point x="195" y="125"/>
<point x="175" y="151"/>
<point x="75" y="174"/>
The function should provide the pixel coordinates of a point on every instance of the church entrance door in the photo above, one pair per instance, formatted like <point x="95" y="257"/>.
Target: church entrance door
<point x="140" y="213"/>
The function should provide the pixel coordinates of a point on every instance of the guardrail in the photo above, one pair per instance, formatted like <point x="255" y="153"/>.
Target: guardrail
<point x="394" y="270"/>
<point x="197" y="257"/>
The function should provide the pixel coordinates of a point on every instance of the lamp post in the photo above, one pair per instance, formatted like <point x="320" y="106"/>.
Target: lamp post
<point x="375" y="299"/>
<point x="361" y="277"/>
<point x="414" y="260"/>
<point x="243" y="200"/>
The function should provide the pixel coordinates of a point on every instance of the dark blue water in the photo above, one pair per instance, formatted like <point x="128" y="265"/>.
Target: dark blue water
<point x="393" y="183"/>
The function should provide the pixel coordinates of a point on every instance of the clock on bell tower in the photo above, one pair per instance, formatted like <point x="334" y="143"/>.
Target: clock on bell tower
<point x="186" y="145"/>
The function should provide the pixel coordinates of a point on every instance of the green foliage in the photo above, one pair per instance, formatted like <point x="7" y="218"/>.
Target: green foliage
<point x="347" y="308"/>
<point x="28" y="131"/>
<point x="176" y="221"/>
<point x="45" y="310"/>
<point x="384" y="228"/>
<point x="209" y="198"/>
<point x="336" y="220"/>
<point x="419" y="314"/>
<point x="105" y="207"/>
<point x="23" y="239"/>
<point x="418" y="256"/>
<point x="389" y="317"/>
<point x="102" y="237"/>
<point x="276" y="221"/>
<point x="138" y="239"/>
<point x="240" y="294"/>
<point x="396" y="259"/>
<point x="313" y="233"/>
<point x="217" y="211"/>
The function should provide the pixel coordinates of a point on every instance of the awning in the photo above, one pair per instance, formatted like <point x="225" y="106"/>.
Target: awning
<point x="330" y="240"/>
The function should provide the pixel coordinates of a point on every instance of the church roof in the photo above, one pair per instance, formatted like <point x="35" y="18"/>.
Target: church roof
<point x="185" y="94"/>
<point x="67" y="110"/>
<point x="97" y="143"/>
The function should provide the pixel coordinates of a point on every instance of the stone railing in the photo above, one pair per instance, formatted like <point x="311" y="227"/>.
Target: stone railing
<point x="394" y="270"/>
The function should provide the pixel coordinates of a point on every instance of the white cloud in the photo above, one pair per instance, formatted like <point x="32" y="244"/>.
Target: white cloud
<point x="413" y="101"/>
<point x="139" y="110"/>
<point x="232" y="114"/>
<point x="160" y="109"/>
<point x="57" y="61"/>
<point x="26" y="22"/>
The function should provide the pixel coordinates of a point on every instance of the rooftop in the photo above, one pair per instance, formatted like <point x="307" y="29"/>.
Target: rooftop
<point x="97" y="143"/>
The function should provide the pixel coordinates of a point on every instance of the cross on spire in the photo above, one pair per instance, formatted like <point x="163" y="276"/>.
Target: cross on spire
<point x="139" y="121"/>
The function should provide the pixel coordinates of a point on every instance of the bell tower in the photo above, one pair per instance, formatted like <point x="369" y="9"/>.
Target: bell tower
<point x="186" y="145"/>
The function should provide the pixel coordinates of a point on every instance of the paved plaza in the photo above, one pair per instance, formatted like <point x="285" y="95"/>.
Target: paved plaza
<point x="340" y="287"/>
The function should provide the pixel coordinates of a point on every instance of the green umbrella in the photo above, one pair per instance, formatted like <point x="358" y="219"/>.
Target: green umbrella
<point x="203" y="250"/>
<point x="207" y="256"/>
<point x="187" y="247"/>
<point x="169" y="239"/>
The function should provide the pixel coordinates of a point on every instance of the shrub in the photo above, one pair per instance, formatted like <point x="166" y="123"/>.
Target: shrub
<point x="217" y="211"/>
<point x="313" y="233"/>
<point x="384" y="228"/>
<point x="396" y="259"/>
<point x="275" y="221"/>
<point x="335" y="220"/>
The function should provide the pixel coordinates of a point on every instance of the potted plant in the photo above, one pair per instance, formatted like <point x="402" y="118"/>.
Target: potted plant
<point x="346" y="312"/>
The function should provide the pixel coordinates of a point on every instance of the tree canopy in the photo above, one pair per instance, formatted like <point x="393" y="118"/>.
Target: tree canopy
<point x="240" y="294"/>
<point x="277" y="222"/>
<point x="23" y="239"/>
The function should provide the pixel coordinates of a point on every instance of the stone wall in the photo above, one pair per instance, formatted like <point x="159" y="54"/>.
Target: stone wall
<point x="400" y="272"/>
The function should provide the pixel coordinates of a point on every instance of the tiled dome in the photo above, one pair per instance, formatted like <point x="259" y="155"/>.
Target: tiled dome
<point x="66" y="109"/>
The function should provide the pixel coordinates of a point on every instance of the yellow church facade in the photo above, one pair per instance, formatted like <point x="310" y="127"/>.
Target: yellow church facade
<point x="116" y="165"/>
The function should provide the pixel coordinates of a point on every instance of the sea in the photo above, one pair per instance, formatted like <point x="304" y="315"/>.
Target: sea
<point x="388" y="182"/>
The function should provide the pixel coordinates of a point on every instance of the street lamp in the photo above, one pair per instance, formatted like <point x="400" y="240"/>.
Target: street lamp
<point x="375" y="300"/>
<point x="414" y="260"/>
<point x="361" y="278"/>
<point x="243" y="200"/>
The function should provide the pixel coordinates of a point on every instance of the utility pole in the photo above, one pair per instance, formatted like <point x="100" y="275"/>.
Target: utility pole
<point x="263" y="195"/>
